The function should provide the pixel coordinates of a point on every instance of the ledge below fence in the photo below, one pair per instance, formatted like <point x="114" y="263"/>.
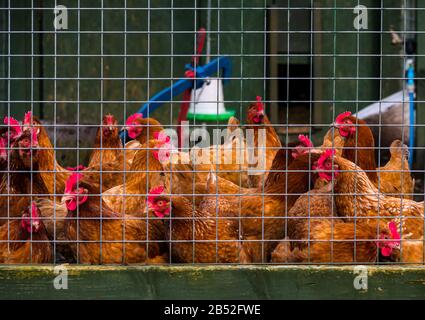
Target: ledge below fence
<point x="210" y="282"/>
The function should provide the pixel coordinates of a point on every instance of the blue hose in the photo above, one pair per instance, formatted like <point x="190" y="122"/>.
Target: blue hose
<point x="222" y="64"/>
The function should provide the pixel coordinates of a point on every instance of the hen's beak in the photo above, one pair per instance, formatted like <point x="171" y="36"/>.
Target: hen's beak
<point x="261" y="116"/>
<point x="147" y="209"/>
<point x="66" y="198"/>
<point x="394" y="245"/>
<point x="36" y="225"/>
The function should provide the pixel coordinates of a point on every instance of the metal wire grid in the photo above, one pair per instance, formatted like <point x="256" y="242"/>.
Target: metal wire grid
<point x="242" y="100"/>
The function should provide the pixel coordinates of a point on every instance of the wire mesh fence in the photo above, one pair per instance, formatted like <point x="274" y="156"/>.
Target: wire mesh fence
<point x="211" y="132"/>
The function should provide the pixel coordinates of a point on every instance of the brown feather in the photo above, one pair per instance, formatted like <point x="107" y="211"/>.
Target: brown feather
<point x="110" y="238"/>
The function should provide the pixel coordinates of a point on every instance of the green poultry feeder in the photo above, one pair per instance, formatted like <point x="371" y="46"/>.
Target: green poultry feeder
<point x="207" y="103"/>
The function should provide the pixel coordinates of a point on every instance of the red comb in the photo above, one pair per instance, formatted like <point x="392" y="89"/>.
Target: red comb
<point x="153" y="193"/>
<point x="72" y="181"/>
<point x="131" y="119"/>
<point x="28" y="221"/>
<point x="3" y="150"/>
<point x="109" y="119"/>
<point x="34" y="211"/>
<point x="34" y="135"/>
<point x="325" y="155"/>
<point x="259" y="104"/>
<point x="133" y="129"/>
<point x="77" y="168"/>
<point x="319" y="165"/>
<point x="340" y="118"/>
<point x="163" y="145"/>
<point x="14" y="124"/>
<point x="28" y="118"/>
<point x="305" y="140"/>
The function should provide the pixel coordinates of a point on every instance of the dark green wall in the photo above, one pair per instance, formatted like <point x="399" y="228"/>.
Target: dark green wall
<point x="341" y="78"/>
<point x="155" y="50"/>
<point x="153" y="58"/>
<point x="352" y="63"/>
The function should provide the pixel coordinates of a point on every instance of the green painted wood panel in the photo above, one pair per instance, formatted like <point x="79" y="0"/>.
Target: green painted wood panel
<point x="158" y="43"/>
<point x="214" y="282"/>
<point x="22" y="90"/>
<point x="155" y="58"/>
<point x="353" y="59"/>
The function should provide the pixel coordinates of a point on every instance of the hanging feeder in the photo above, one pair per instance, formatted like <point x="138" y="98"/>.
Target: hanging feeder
<point x="206" y="103"/>
<point x="206" y="106"/>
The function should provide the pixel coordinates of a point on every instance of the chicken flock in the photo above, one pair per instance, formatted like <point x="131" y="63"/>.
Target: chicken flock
<point x="146" y="202"/>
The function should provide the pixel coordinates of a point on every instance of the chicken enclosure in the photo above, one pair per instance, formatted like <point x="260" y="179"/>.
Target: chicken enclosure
<point x="164" y="132"/>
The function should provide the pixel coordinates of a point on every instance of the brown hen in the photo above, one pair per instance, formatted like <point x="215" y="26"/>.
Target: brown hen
<point x="394" y="178"/>
<point x="263" y="213"/>
<point x="145" y="172"/>
<point x="106" y="237"/>
<point x="107" y="147"/>
<point x="357" y="196"/>
<point x="25" y="240"/>
<point x="259" y="123"/>
<point x="328" y="241"/>
<point x="353" y="140"/>
<point x="195" y="236"/>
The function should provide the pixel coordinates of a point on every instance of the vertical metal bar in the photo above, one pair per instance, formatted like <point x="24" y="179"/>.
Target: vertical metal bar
<point x="55" y="167"/>
<point x="264" y="148"/>
<point x="380" y="107"/>
<point x="147" y="95"/>
<point x="171" y="118"/>
<point x="357" y="134"/>
<point x="41" y="68"/>
<point x="41" y="62"/>
<point x="311" y="119"/>
<point x="8" y="114"/>
<point x="124" y="167"/>
<point x="78" y="80"/>
<point x="404" y="75"/>
<point x="32" y="112"/>
<point x="334" y="101"/>
<point x="208" y="53"/>
<point x="217" y="97"/>
<point x="240" y="112"/>
<point x="101" y="135"/>
<point x="288" y="28"/>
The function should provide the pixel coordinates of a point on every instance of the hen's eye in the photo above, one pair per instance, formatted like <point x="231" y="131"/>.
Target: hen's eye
<point x="160" y="203"/>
